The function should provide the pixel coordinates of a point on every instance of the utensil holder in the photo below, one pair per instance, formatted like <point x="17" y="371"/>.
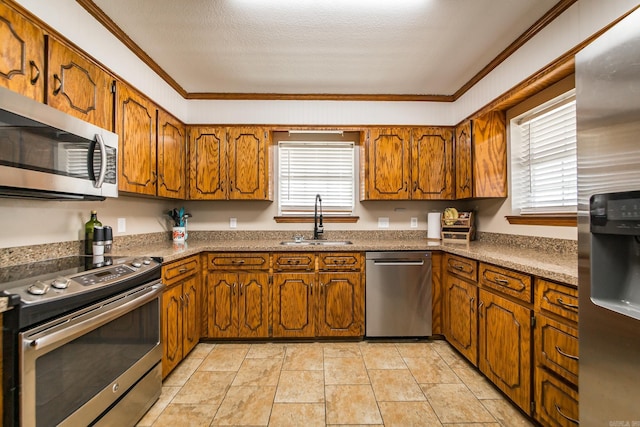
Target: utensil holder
<point x="179" y="234"/>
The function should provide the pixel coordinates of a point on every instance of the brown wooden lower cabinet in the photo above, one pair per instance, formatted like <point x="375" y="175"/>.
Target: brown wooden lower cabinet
<point x="180" y="326"/>
<point x="556" y="402"/>
<point x="461" y="300"/>
<point x="340" y="304"/>
<point x="237" y="304"/>
<point x="294" y="305"/>
<point x="505" y="346"/>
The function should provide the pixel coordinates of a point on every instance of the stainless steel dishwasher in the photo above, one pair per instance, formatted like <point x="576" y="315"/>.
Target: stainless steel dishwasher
<point x="398" y="294"/>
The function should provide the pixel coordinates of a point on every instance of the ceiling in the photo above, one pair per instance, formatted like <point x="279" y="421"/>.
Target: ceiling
<point x="338" y="47"/>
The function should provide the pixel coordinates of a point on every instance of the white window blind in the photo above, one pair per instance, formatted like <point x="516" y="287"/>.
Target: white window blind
<point x="544" y="163"/>
<point x="310" y="168"/>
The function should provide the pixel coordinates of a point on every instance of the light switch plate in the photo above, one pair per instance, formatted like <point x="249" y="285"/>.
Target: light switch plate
<point x="383" y="222"/>
<point x="122" y="225"/>
<point x="414" y="222"/>
<point x="233" y="222"/>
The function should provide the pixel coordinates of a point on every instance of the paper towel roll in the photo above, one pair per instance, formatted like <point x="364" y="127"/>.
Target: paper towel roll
<point x="433" y="225"/>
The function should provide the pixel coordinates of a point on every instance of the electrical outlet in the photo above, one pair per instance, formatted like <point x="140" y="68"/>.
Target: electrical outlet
<point x="122" y="225"/>
<point x="383" y="222"/>
<point x="233" y="222"/>
<point x="414" y="222"/>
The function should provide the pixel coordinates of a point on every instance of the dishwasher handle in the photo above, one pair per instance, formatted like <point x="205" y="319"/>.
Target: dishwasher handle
<point x="398" y="262"/>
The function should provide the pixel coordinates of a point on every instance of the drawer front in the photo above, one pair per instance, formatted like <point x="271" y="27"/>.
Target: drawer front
<point x="294" y="261"/>
<point x="558" y="299"/>
<point x="176" y="271"/>
<point x="462" y="267"/>
<point x="556" y="402"/>
<point x="508" y="282"/>
<point x="340" y="261"/>
<point x="557" y="348"/>
<point x="238" y="261"/>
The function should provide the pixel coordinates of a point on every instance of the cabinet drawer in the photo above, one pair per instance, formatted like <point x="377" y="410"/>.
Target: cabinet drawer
<point x="176" y="271"/>
<point x="462" y="267"/>
<point x="558" y="299"/>
<point x="508" y="282"/>
<point x="238" y="261"/>
<point x="557" y="348"/>
<point x="340" y="261"/>
<point x="556" y="402"/>
<point x="294" y="261"/>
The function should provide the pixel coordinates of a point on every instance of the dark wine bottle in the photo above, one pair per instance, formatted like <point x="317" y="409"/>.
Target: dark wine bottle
<point x="88" y="232"/>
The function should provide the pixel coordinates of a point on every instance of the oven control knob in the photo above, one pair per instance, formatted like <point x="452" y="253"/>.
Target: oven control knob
<point x="136" y="263"/>
<point x="38" y="288"/>
<point x="60" y="283"/>
<point x="146" y="261"/>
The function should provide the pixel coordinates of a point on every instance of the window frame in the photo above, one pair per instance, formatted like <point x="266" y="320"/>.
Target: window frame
<point x="320" y="137"/>
<point x="563" y="216"/>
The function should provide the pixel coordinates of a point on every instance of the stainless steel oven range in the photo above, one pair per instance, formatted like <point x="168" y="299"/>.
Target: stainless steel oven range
<point x="82" y="344"/>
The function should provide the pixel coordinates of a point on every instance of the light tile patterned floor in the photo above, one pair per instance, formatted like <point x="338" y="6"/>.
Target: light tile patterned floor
<point x="319" y="384"/>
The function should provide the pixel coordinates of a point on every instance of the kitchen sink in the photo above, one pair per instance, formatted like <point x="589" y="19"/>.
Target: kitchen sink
<point x="316" y="242"/>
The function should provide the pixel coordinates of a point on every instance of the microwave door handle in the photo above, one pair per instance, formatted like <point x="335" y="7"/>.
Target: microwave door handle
<point x="103" y="162"/>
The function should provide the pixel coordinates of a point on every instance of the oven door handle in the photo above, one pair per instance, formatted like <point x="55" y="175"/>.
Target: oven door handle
<point x="75" y="325"/>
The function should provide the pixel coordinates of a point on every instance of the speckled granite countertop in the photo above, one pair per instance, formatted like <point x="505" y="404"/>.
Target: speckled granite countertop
<point x="562" y="267"/>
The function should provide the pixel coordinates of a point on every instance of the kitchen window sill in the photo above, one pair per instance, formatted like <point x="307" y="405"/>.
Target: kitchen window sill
<point x="552" y="220"/>
<point x="307" y="218"/>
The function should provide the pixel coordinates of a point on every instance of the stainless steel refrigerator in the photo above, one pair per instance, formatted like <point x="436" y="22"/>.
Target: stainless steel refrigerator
<point x="608" y="120"/>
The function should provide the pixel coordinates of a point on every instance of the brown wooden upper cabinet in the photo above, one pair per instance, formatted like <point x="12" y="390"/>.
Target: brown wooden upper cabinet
<point x="229" y="163"/>
<point x="408" y="164"/>
<point x="481" y="157"/>
<point x="172" y="157"/>
<point x="78" y="86"/>
<point x="22" y="64"/>
<point x="136" y="119"/>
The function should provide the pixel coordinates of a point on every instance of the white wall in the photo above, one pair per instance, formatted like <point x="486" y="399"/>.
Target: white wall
<point x="33" y="222"/>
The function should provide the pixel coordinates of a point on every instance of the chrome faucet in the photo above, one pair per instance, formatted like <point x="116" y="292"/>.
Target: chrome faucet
<point x="318" y="229"/>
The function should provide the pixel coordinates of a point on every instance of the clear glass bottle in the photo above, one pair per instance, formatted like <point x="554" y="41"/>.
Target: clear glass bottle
<point x="88" y="232"/>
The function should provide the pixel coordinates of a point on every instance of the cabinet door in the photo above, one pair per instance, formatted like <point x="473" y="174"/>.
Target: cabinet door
<point x="293" y="305"/>
<point x="490" y="155"/>
<point x="432" y="163"/>
<point x="191" y="314"/>
<point x="340" y="305"/>
<point x="22" y="54"/>
<point x="172" y="157"/>
<point x="248" y="164"/>
<point x="387" y="163"/>
<point x="464" y="177"/>
<point x="136" y="128"/>
<point x="77" y="86"/>
<point x="253" y="307"/>
<point x="207" y="163"/>
<point x="171" y="329"/>
<point x="222" y="305"/>
<point x="461" y="318"/>
<point x="505" y="347"/>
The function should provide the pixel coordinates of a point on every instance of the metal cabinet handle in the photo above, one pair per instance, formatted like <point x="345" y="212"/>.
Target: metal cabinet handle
<point x="241" y="286"/>
<point x="564" y="304"/>
<point x="321" y="285"/>
<point x="187" y="300"/>
<point x="58" y="87"/>
<point x="34" y="76"/>
<point x="311" y="288"/>
<point x="181" y="301"/>
<point x="415" y="185"/>
<point x="183" y="270"/>
<point x="564" y="416"/>
<point x="570" y="356"/>
<point x="480" y="304"/>
<point x="500" y="281"/>
<point x="458" y="267"/>
<point x="239" y="261"/>
<point x="233" y="288"/>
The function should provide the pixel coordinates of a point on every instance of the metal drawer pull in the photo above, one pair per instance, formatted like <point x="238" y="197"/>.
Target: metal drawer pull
<point x="183" y="270"/>
<point x="34" y="76"/>
<point x="239" y="261"/>
<point x="564" y="416"/>
<point x="458" y="267"/>
<point x="564" y="304"/>
<point x="503" y="282"/>
<point x="570" y="356"/>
